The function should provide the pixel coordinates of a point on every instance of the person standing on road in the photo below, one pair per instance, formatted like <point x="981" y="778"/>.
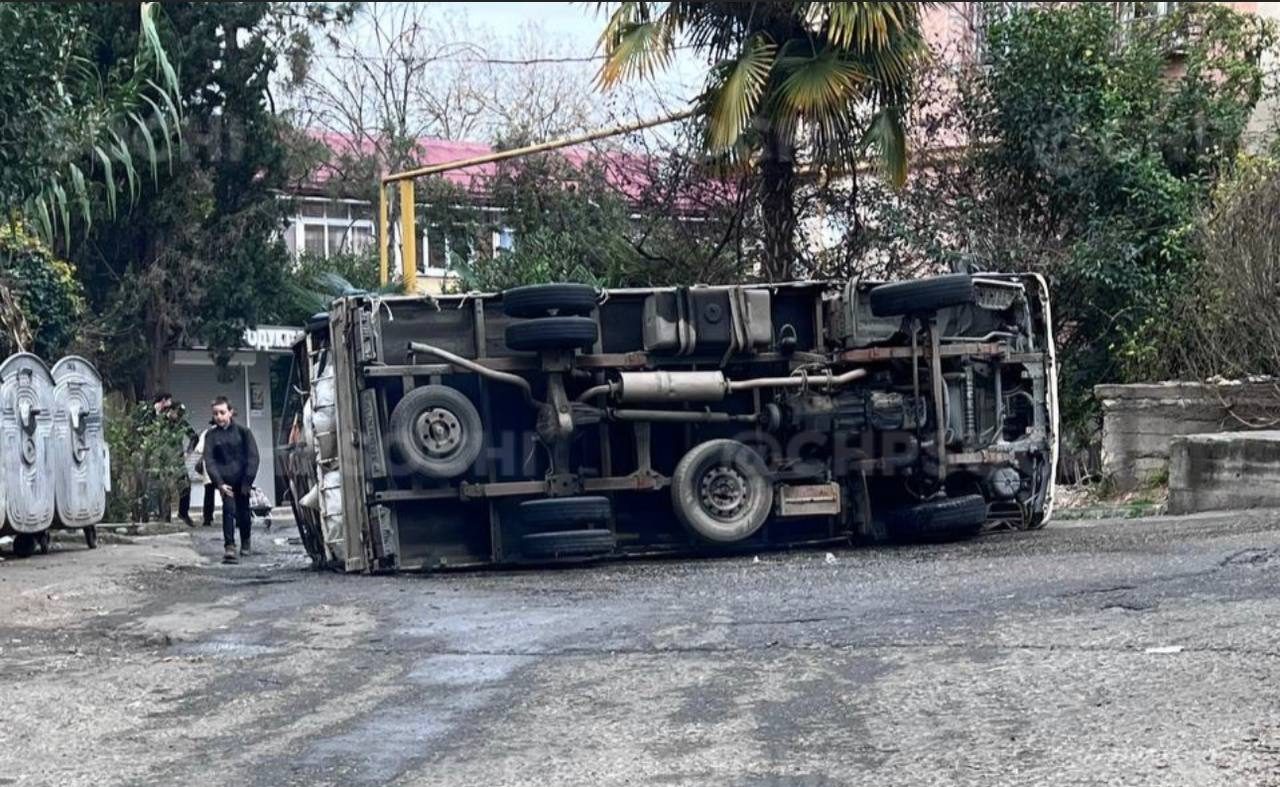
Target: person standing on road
<point x="231" y="461"/>
<point x="185" y="437"/>
<point x="199" y="475"/>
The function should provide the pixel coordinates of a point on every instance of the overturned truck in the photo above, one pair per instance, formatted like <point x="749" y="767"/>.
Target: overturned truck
<point x="558" y="422"/>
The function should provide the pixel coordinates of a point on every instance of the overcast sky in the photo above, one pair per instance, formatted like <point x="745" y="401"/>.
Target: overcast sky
<point x="576" y="22"/>
<point x="487" y="64"/>
<point x="577" y="28"/>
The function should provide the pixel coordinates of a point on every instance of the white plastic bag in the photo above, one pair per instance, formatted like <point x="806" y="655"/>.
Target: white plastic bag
<point x="258" y="498"/>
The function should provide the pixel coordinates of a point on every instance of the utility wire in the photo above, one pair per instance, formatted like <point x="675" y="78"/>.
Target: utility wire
<point x="491" y="61"/>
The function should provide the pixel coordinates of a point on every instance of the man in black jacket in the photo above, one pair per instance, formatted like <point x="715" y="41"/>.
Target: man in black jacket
<point x="231" y="460"/>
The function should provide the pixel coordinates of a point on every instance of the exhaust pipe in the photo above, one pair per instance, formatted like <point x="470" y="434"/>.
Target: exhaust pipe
<point x="661" y="386"/>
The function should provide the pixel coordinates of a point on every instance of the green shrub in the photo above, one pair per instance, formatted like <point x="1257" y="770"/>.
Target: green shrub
<point x="47" y="294"/>
<point x="147" y="469"/>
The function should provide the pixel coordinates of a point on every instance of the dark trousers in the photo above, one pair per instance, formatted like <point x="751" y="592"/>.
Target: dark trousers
<point x="210" y="491"/>
<point x="184" y="503"/>
<point x="235" y="512"/>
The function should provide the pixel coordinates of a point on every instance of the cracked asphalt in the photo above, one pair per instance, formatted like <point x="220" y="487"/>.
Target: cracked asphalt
<point x="1112" y="652"/>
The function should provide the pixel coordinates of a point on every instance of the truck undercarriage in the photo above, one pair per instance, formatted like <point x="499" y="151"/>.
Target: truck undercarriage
<point x="558" y="422"/>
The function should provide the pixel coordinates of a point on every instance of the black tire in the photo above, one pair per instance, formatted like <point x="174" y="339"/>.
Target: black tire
<point x="721" y="491"/>
<point x="91" y="537"/>
<point x="24" y="544"/>
<point x="565" y="511"/>
<point x="540" y="300"/>
<point x="922" y="295"/>
<point x="952" y="517"/>
<point x="552" y="333"/>
<point x="1037" y="522"/>
<point x="569" y="543"/>
<point x="436" y="431"/>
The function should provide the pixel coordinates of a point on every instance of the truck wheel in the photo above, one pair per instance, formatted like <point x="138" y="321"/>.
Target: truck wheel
<point x="569" y="543"/>
<point x="436" y="431"/>
<point x="540" y="300"/>
<point x="24" y="544"/>
<point x="955" y="517"/>
<point x="721" y="491"/>
<point x="566" y="511"/>
<point x="922" y="295"/>
<point x="552" y="333"/>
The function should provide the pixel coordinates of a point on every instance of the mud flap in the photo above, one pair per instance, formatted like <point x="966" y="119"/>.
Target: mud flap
<point x="385" y="540"/>
<point x="375" y="454"/>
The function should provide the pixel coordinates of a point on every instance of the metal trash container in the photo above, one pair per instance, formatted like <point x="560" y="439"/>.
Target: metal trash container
<point x="26" y="426"/>
<point x="79" y="444"/>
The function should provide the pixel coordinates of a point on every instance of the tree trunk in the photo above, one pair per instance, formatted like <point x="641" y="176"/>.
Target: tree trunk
<point x="158" y="368"/>
<point x="156" y="377"/>
<point x="777" y="203"/>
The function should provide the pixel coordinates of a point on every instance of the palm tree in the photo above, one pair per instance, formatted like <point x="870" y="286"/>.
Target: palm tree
<point x="828" y="79"/>
<point x="73" y="123"/>
<point x="312" y="292"/>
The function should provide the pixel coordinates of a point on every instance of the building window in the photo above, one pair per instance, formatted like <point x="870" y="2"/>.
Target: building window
<point x="985" y="15"/>
<point x="315" y="240"/>
<point x="504" y="240"/>
<point x="440" y="248"/>
<point x="1154" y="9"/>
<point x="1135" y="11"/>
<point x="327" y="227"/>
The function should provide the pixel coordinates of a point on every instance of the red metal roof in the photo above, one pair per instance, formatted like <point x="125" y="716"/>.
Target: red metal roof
<point x="630" y="174"/>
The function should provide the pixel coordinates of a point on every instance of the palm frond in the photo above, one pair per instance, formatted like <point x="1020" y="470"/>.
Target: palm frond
<point x="44" y="221"/>
<point x="865" y="27"/>
<point x="625" y="15"/>
<point x="108" y="178"/>
<point x="739" y="87"/>
<point x="635" y="45"/>
<point x="888" y="135"/>
<point x="125" y="159"/>
<point x="145" y="134"/>
<point x="164" y="128"/>
<point x="61" y="205"/>
<point x="894" y="65"/>
<point x="81" y="191"/>
<point x="168" y="98"/>
<point x="333" y="283"/>
<point x="819" y="86"/>
<point x="108" y="106"/>
<point x="153" y="48"/>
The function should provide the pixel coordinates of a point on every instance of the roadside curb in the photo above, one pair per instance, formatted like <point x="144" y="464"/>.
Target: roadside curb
<point x="1110" y="512"/>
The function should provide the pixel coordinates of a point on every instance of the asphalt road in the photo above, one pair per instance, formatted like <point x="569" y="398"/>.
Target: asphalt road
<point x="1138" y="652"/>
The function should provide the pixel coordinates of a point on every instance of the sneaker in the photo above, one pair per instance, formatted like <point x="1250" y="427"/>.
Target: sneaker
<point x="229" y="554"/>
<point x="187" y="521"/>
<point x="207" y="523"/>
<point x="244" y="551"/>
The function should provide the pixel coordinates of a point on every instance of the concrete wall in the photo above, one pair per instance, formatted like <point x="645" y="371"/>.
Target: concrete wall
<point x="1224" y="472"/>
<point x="193" y="380"/>
<point x="1140" y="421"/>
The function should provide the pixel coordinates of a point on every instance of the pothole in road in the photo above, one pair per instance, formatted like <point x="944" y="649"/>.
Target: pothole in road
<point x="267" y="580"/>
<point x="1249" y="557"/>
<point x="225" y="649"/>
<point x="1128" y="606"/>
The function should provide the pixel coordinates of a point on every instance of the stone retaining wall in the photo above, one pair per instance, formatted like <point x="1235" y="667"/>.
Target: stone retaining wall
<point x="1227" y="471"/>
<point x="1140" y="421"/>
